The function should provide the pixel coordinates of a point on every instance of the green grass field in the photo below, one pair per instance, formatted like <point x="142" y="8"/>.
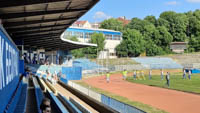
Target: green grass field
<point x="145" y="107"/>
<point x="176" y="82"/>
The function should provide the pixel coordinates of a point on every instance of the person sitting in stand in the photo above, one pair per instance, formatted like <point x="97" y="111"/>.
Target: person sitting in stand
<point x="45" y="106"/>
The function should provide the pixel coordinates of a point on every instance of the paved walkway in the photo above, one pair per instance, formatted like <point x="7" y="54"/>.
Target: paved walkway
<point x="168" y="100"/>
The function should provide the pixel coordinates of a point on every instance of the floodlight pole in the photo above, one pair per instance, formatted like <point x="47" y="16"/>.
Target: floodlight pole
<point x="107" y="56"/>
<point x="97" y="61"/>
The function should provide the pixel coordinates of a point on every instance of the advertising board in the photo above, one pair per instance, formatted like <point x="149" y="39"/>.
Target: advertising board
<point x="9" y="68"/>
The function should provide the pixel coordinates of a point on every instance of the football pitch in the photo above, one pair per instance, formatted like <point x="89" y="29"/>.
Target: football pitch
<point x="176" y="82"/>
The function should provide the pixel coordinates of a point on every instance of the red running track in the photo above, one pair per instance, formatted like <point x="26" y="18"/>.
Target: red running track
<point x="168" y="100"/>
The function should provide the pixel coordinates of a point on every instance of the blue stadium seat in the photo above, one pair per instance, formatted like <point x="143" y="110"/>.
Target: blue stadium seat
<point x="38" y="93"/>
<point x="158" y="63"/>
<point x="86" y="64"/>
<point x="59" y="106"/>
<point x="79" y="106"/>
<point x="73" y="108"/>
<point x="21" y="105"/>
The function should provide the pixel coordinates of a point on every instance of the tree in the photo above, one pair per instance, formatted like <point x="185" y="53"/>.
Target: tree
<point x="193" y="31"/>
<point x="73" y="38"/>
<point x="165" y="38"/>
<point x="152" y="49"/>
<point x="194" y="44"/>
<point x="133" y="44"/>
<point x="112" y="24"/>
<point x="197" y="14"/>
<point x="121" y="49"/>
<point x="96" y="38"/>
<point x="151" y="19"/>
<point x="177" y="24"/>
<point x="77" y="53"/>
<point x="137" y="24"/>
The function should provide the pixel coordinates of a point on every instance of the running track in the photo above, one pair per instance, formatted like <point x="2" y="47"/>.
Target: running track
<point x="168" y="100"/>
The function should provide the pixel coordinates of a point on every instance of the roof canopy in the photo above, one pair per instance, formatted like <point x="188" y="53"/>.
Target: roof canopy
<point x="40" y="23"/>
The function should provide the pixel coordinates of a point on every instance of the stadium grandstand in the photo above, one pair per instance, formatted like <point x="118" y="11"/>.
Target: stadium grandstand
<point x="158" y="63"/>
<point x="30" y="32"/>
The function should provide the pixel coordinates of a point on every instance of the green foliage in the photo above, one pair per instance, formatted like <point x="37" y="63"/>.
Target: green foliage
<point x="73" y="38"/>
<point x="194" y="44"/>
<point x="90" y="52"/>
<point x="157" y="34"/>
<point x="112" y="24"/>
<point x="121" y="49"/>
<point x="152" y="49"/>
<point x="138" y="24"/>
<point x="77" y="53"/>
<point x="177" y="24"/>
<point x="96" y="38"/>
<point x="151" y="19"/>
<point x="150" y="35"/>
<point x="132" y="44"/>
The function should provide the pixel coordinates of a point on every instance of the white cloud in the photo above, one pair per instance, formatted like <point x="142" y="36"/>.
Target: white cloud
<point x="193" y="1"/>
<point x="101" y="15"/>
<point x="172" y="3"/>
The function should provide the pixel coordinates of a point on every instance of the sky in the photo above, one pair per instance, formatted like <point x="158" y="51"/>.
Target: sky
<point x="106" y="9"/>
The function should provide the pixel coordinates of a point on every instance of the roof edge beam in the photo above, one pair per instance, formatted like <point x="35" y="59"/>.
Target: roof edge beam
<point x="12" y="24"/>
<point x="11" y="3"/>
<point x="22" y="29"/>
<point x="37" y="13"/>
<point x="39" y="31"/>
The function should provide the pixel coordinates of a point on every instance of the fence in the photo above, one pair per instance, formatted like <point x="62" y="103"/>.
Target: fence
<point x="130" y="67"/>
<point x="115" y="104"/>
<point x="191" y="65"/>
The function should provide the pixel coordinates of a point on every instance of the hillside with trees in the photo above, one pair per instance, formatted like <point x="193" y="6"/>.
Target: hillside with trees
<point x="154" y="36"/>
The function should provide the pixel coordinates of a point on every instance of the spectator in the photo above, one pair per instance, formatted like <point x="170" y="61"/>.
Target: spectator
<point x="45" y="106"/>
<point x="54" y="78"/>
<point x="184" y="74"/>
<point x="27" y="72"/>
<point x="150" y="74"/>
<point x="134" y="75"/>
<point x="107" y="77"/>
<point x="167" y="78"/>
<point x="189" y="74"/>
<point x="143" y="77"/>
<point x="138" y="75"/>
<point x="59" y="75"/>
<point x="162" y="74"/>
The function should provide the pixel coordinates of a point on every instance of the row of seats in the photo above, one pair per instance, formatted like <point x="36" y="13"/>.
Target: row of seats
<point x="35" y="68"/>
<point x="21" y="105"/>
<point x="58" y="101"/>
<point x="86" y="64"/>
<point x="58" y="105"/>
<point x="79" y="106"/>
<point x="38" y="93"/>
<point x="158" y="63"/>
<point x="71" y="107"/>
<point x="55" y="102"/>
<point x="19" y="100"/>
